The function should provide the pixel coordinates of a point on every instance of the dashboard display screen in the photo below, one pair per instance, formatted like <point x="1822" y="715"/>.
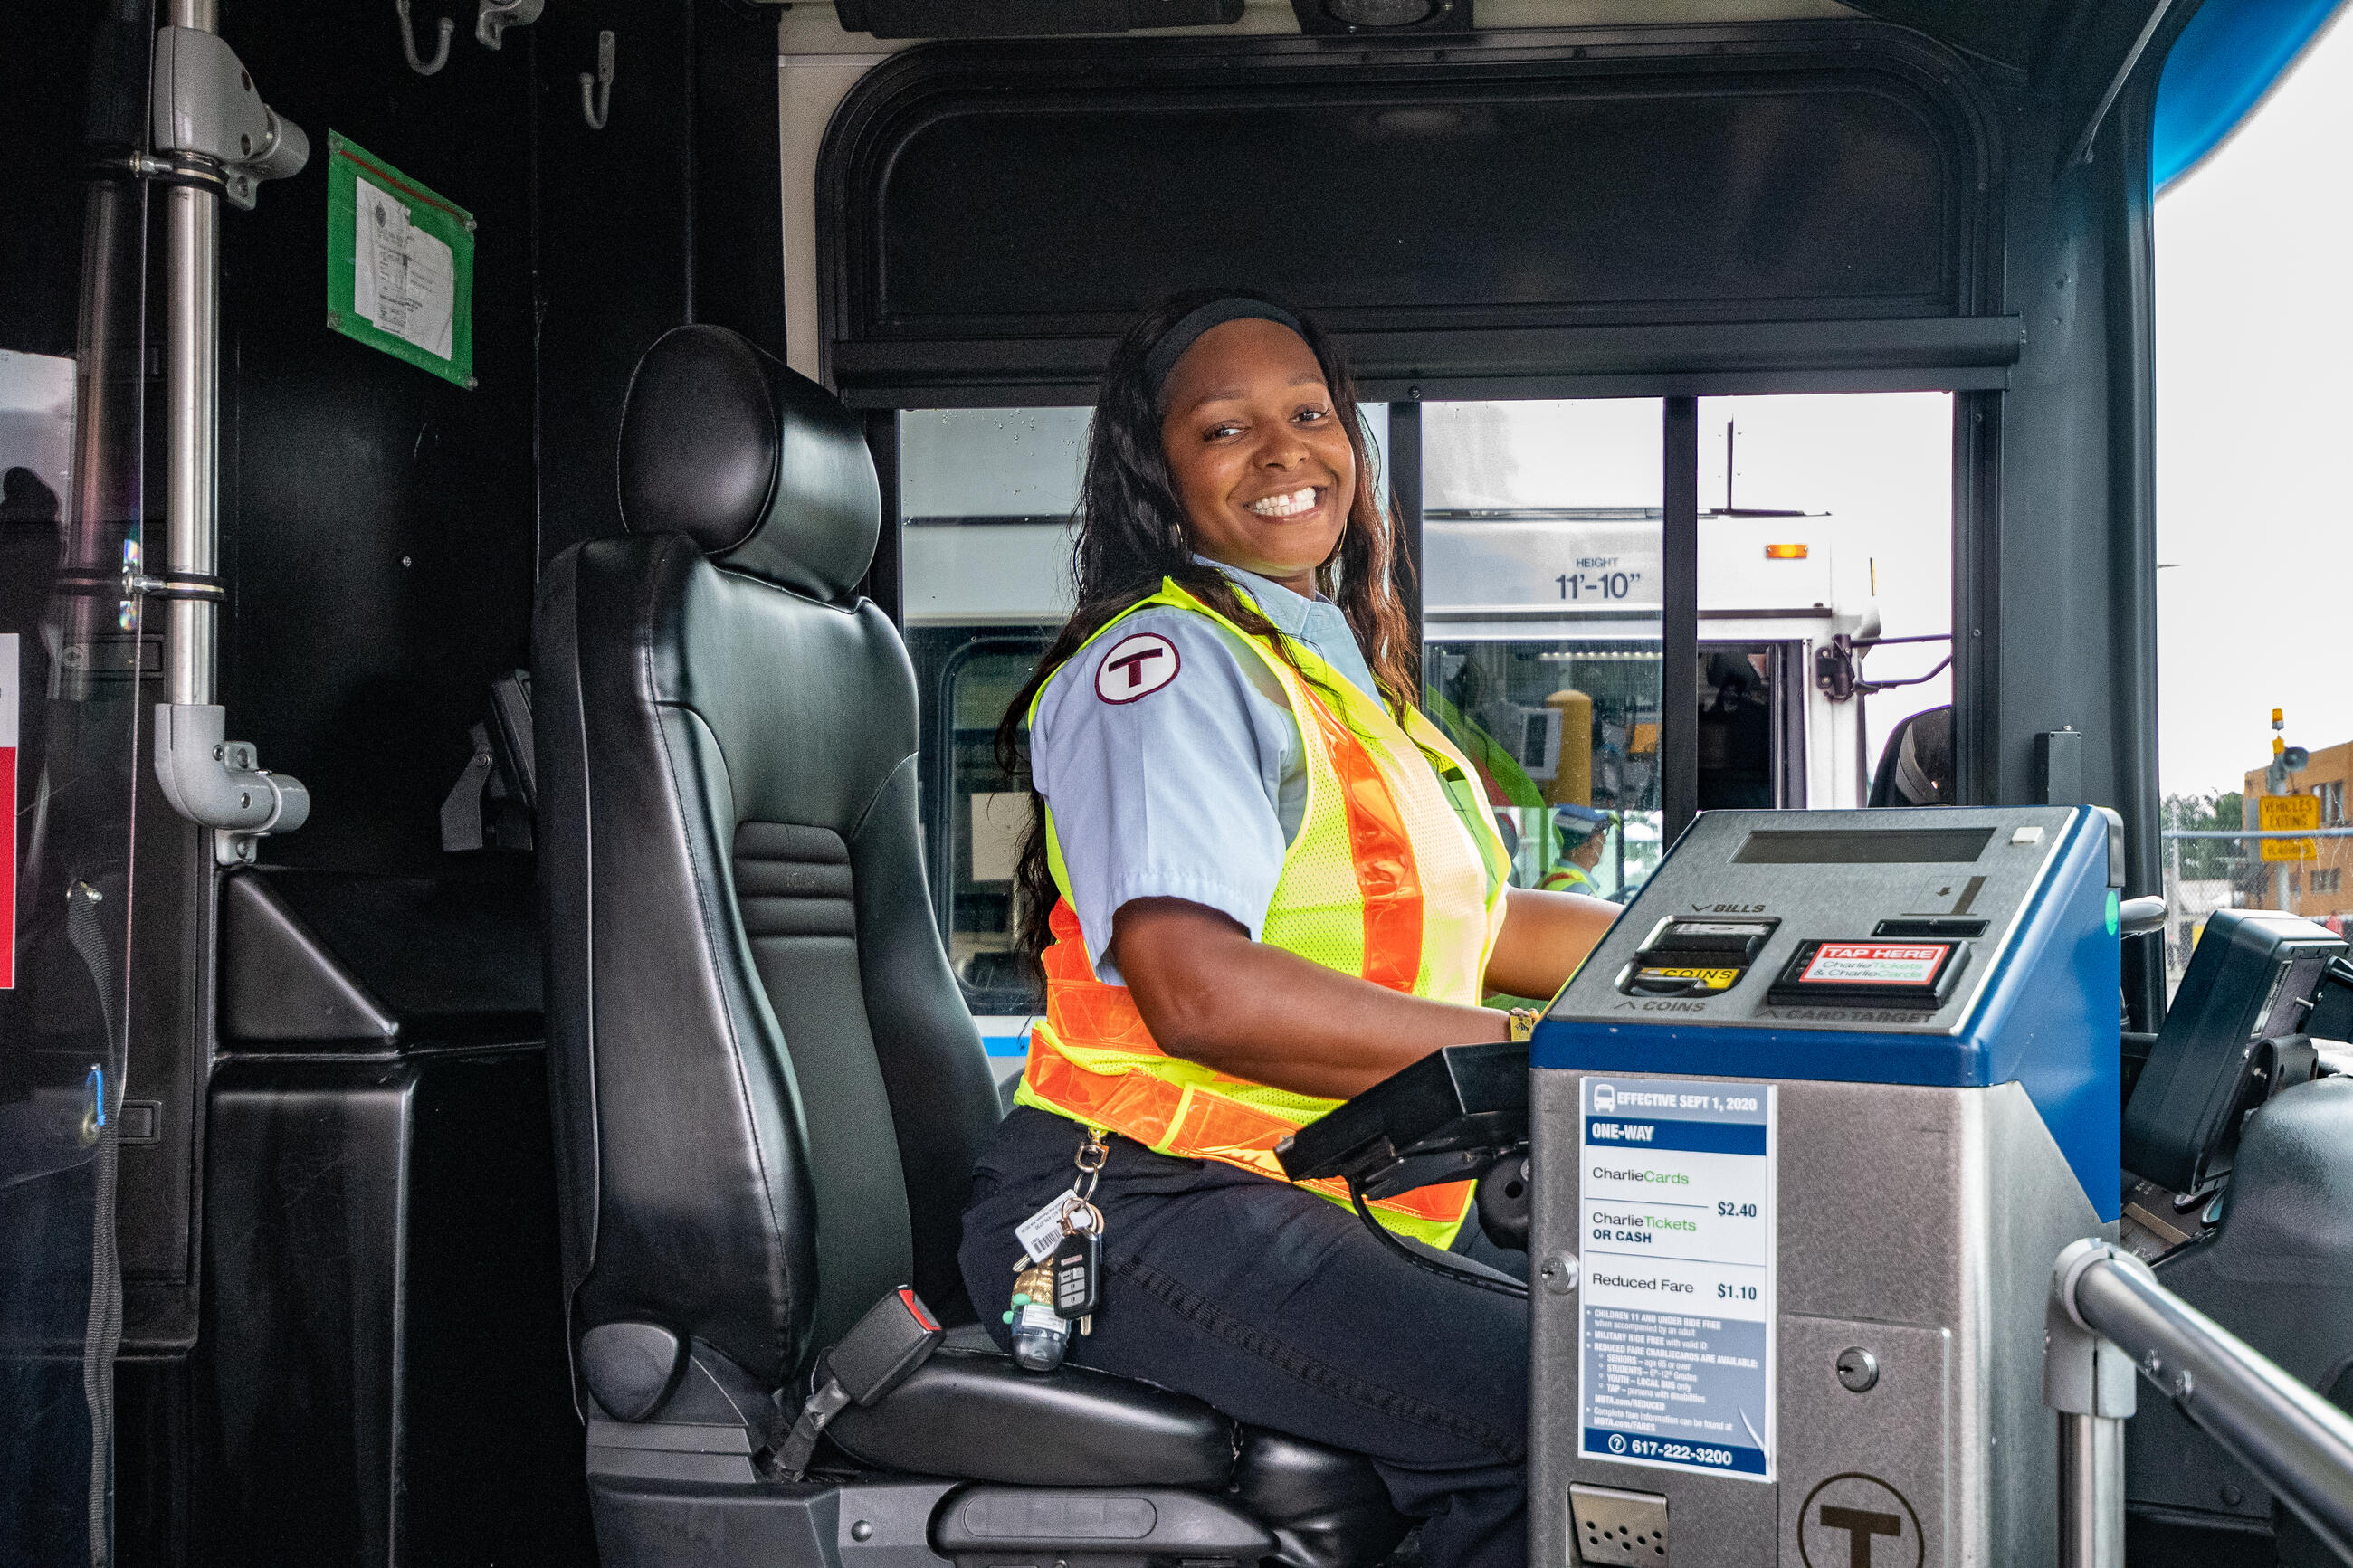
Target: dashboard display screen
<point x="1865" y="846"/>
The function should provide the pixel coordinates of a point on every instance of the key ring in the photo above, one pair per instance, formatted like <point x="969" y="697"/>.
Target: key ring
<point x="1079" y="1209"/>
<point x="1090" y="1159"/>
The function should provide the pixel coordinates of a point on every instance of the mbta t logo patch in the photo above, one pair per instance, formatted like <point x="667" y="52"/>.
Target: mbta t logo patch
<point x="1855" y="1520"/>
<point x="1136" y="666"/>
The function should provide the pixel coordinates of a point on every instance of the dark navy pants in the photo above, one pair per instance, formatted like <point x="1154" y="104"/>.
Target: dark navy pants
<point x="1275" y="1306"/>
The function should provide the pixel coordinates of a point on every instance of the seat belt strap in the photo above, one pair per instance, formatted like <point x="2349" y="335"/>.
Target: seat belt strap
<point x="897" y="1335"/>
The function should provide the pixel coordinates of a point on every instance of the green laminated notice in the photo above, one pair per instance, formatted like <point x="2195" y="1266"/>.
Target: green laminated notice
<point x="400" y="263"/>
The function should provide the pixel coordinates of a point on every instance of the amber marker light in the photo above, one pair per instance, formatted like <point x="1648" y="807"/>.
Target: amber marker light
<point x="1785" y="553"/>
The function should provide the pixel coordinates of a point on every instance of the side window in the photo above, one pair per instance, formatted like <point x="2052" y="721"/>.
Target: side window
<point x="1824" y="612"/>
<point x="986" y="501"/>
<point x="2254" y="723"/>
<point x="1542" y="583"/>
<point x="1825" y="569"/>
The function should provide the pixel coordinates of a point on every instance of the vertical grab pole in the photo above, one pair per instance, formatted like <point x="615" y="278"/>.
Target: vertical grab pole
<point x="1404" y="499"/>
<point x="2090" y="1382"/>
<point x="2090" y="1491"/>
<point x="208" y="778"/>
<point x="191" y="387"/>
<point x="1679" y="623"/>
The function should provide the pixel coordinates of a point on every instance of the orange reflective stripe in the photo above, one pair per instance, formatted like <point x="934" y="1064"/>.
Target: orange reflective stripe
<point x="1078" y="1005"/>
<point x="1152" y="1111"/>
<point x="1146" y="1109"/>
<point x="1133" y="1104"/>
<point x="1387" y="879"/>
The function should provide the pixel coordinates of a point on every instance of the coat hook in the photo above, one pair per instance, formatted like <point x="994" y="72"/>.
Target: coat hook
<point x="496" y="17"/>
<point x="408" y="42"/>
<point x="596" y="92"/>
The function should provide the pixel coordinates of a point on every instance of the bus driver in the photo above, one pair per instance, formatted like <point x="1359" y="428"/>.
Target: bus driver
<point x="1259" y="881"/>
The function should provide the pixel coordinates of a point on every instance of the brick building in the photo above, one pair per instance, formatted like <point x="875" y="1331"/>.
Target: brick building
<point x="2318" y="890"/>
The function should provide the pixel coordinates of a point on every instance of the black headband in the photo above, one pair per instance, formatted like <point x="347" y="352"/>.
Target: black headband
<point x="1188" y="330"/>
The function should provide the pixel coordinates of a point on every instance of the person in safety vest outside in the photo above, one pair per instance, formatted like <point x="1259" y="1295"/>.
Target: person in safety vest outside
<point x="1259" y="882"/>
<point x="1583" y="832"/>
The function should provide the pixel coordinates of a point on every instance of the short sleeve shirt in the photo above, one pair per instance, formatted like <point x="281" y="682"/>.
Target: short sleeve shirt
<point x="1169" y="755"/>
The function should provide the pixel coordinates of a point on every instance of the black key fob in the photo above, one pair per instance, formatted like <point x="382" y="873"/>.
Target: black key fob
<point x="1078" y="1274"/>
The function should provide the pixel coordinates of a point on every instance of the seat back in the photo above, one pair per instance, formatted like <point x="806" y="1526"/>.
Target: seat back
<point x="769" y="1095"/>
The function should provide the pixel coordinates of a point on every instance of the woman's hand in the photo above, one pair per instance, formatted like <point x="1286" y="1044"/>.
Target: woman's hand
<point x="1210" y="994"/>
<point x="1544" y="937"/>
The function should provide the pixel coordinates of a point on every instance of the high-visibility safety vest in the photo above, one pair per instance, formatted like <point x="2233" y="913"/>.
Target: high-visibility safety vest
<point x="1396" y="875"/>
<point x="1569" y="879"/>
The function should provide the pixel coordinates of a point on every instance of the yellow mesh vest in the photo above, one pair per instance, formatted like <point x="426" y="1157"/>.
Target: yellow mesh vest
<point x="1396" y="875"/>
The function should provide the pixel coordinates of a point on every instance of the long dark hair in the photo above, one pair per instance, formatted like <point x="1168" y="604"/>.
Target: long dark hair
<point x="1132" y="531"/>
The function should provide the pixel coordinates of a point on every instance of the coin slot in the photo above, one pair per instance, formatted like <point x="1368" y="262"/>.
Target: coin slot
<point x="1698" y="958"/>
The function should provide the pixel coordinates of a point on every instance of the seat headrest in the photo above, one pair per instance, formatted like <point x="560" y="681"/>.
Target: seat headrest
<point x="759" y="465"/>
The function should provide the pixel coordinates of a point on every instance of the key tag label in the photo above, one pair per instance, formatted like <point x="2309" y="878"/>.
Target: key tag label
<point x="1044" y="1231"/>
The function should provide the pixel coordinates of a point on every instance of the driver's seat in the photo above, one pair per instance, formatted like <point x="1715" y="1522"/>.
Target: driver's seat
<point x="769" y="1095"/>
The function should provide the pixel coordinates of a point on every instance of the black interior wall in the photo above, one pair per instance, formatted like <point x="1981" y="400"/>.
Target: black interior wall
<point x="673" y="213"/>
<point x="375" y="520"/>
<point x="382" y="529"/>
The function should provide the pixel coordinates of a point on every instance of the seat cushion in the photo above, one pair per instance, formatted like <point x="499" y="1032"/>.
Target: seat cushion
<point x="972" y="1414"/>
<point x="1325" y="1508"/>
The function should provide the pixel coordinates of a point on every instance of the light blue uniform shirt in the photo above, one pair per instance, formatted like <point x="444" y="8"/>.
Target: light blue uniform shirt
<point x="1194" y="788"/>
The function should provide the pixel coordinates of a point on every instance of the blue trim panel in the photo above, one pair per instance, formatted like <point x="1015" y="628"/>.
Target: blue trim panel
<point x="1694" y="1137"/>
<point x="2047" y="1020"/>
<point x="2225" y="60"/>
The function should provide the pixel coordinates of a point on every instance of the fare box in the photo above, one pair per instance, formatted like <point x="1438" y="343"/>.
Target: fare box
<point x="1677" y="1307"/>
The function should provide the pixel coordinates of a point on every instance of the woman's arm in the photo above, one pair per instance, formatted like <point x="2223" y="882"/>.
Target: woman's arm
<point x="1212" y="995"/>
<point x="1544" y="937"/>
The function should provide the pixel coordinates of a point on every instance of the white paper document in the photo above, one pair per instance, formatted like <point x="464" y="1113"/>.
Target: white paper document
<point x="402" y="281"/>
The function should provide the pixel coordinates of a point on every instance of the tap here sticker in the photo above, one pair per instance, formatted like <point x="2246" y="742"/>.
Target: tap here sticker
<point x="1676" y="1316"/>
<point x="1876" y="963"/>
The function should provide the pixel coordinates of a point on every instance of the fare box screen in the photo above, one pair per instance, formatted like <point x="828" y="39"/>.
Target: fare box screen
<point x="1676" y="1316"/>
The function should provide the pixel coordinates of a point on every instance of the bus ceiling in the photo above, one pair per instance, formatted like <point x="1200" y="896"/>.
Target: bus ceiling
<point x="2010" y="32"/>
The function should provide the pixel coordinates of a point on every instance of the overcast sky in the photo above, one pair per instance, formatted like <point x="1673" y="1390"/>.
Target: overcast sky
<point x="2254" y="435"/>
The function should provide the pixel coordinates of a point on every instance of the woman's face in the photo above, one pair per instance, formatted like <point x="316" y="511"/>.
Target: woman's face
<point x="1259" y="452"/>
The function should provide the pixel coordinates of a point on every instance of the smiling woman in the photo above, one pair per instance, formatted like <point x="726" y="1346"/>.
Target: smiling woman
<point x="1259" y="881"/>
<point x="1261" y="458"/>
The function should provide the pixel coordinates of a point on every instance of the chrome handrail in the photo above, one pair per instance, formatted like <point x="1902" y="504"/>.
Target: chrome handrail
<point x="2108" y="1318"/>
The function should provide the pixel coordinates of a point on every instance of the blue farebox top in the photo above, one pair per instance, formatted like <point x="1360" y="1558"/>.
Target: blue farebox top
<point x="1955" y="948"/>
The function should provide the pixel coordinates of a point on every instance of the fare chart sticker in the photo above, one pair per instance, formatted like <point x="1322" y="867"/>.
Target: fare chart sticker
<point x="11" y="695"/>
<point x="1676" y="1318"/>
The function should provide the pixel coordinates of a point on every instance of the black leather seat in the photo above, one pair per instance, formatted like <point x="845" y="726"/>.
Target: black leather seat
<point x="769" y="1093"/>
